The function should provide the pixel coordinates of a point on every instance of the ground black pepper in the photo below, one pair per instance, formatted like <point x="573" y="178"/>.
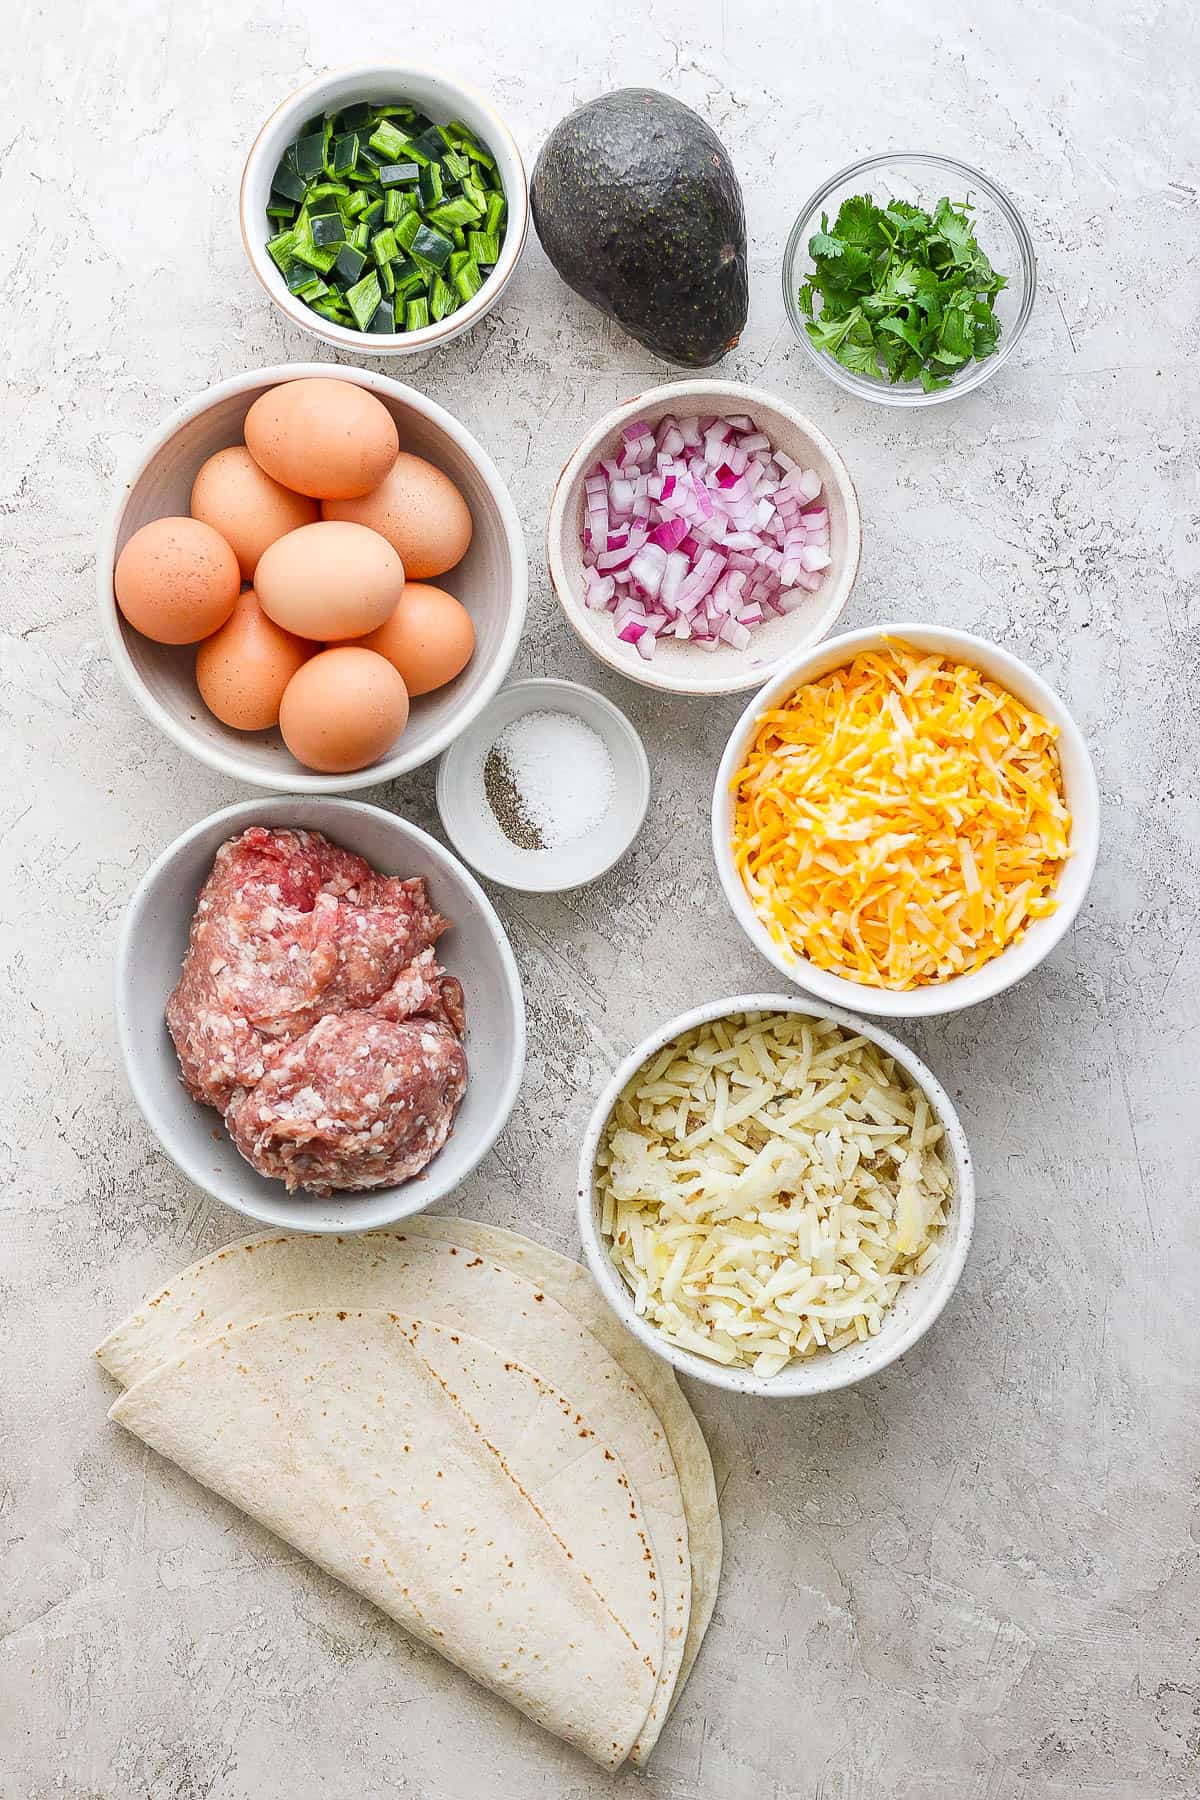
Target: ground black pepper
<point x="504" y="798"/>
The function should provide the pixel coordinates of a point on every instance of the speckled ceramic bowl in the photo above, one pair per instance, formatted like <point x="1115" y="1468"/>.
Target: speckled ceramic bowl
<point x="150" y="951"/>
<point x="919" y="1301"/>
<point x="1079" y="787"/>
<point x="441" y="98"/>
<point x="685" y="668"/>
<point x="491" y="581"/>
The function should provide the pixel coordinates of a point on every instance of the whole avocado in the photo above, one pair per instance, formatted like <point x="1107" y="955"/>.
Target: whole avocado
<point x="637" y="206"/>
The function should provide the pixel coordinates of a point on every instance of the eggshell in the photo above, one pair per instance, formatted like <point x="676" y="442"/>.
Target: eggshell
<point x="429" y="639"/>
<point x="329" y="581"/>
<point x="250" y="510"/>
<point x="176" y="580"/>
<point x="418" y="510"/>
<point x="330" y="439"/>
<point x="243" y="669"/>
<point x="343" y="710"/>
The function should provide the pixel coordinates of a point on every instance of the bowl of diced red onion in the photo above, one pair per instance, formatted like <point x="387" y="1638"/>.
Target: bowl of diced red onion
<point x="701" y="535"/>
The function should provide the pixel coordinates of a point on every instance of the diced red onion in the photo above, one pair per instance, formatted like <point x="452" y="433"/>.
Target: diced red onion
<point x="700" y="531"/>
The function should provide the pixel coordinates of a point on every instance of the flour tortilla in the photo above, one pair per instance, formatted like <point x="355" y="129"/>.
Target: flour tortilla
<point x="367" y="1440"/>
<point x="570" y="1284"/>
<point x="455" y="1284"/>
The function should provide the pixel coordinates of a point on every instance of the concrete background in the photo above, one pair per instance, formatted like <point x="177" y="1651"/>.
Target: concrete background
<point x="972" y="1579"/>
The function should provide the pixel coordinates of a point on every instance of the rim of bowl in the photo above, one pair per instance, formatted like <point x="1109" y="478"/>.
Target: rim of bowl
<point x="653" y="675"/>
<point x="1014" y="962"/>
<point x="126" y="950"/>
<point x="810" y="1375"/>
<point x="298" y="780"/>
<point x="516" y="193"/>
<point x="551" y="685"/>
<point x="881" y="391"/>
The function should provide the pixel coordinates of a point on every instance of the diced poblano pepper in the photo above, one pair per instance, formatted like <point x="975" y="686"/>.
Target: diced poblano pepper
<point x="330" y="228"/>
<point x="383" y="220"/>
<point x="442" y="298"/>
<point x="459" y="211"/>
<point x="434" y="246"/>
<point x="483" y="248"/>
<point x="310" y="155"/>
<point x="387" y="141"/>
<point x="468" y="281"/>
<point x="384" y="247"/>
<point x="494" y="217"/>
<point x="343" y="154"/>
<point x="398" y="174"/>
<point x="350" y="263"/>
<point x="363" y="298"/>
<point x="465" y="140"/>
<point x="430" y="185"/>
<point x="288" y="181"/>
<point x="281" y="249"/>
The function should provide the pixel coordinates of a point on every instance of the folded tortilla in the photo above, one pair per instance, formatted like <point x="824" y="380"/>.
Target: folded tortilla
<point x="444" y="1481"/>
<point x="528" y="1301"/>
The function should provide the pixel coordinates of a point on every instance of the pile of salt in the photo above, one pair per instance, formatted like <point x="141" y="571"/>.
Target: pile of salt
<point x="549" y="780"/>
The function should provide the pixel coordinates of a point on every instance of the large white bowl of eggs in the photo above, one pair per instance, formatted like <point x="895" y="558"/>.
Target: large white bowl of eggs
<point x="313" y="578"/>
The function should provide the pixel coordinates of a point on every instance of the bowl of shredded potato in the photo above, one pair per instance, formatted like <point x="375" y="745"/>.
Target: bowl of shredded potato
<point x="905" y="820"/>
<point x="775" y="1196"/>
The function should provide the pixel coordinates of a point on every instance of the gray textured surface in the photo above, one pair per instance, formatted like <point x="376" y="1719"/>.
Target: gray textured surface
<point x="973" y="1579"/>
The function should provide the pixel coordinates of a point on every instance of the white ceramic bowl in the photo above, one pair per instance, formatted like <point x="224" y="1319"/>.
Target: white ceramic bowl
<point x="919" y="1301"/>
<point x="684" y="668"/>
<point x="150" y="951"/>
<point x="491" y="581"/>
<point x="472" y="827"/>
<point x="441" y="99"/>
<point x="1079" y="781"/>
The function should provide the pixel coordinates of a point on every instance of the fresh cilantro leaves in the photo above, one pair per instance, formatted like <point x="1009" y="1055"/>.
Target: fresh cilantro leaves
<point x="905" y="295"/>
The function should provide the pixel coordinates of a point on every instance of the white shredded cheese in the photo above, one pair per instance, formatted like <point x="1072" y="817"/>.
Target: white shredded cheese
<point x="768" y="1183"/>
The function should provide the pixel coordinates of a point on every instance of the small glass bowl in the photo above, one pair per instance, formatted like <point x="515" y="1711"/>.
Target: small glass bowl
<point x="922" y="180"/>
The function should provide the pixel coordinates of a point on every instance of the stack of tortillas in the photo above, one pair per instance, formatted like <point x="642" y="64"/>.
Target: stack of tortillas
<point x="446" y="1417"/>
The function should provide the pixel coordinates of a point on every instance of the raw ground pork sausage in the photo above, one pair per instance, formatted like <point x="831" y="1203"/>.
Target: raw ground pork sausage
<point x="357" y="1102"/>
<point x="291" y="932"/>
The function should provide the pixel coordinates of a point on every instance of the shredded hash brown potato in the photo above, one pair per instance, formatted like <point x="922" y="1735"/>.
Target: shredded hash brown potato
<point x="768" y="1183"/>
<point x="901" y="820"/>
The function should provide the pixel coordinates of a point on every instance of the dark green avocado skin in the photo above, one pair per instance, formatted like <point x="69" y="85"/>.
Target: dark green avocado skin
<point x="637" y="206"/>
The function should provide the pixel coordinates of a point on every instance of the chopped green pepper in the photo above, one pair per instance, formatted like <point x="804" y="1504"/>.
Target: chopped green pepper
<point x="288" y="181"/>
<point x="468" y="281"/>
<point x="363" y="299"/>
<point x="328" y="228"/>
<point x="384" y="220"/>
<point x="350" y="263"/>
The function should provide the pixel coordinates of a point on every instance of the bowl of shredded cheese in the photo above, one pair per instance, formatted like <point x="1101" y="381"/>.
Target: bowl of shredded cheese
<point x="775" y="1196"/>
<point x="906" y="820"/>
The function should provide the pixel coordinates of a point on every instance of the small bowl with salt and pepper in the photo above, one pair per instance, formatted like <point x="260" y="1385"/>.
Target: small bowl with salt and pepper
<point x="546" y="789"/>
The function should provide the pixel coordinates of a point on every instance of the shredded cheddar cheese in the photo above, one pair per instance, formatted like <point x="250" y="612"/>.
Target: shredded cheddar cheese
<point x="901" y="820"/>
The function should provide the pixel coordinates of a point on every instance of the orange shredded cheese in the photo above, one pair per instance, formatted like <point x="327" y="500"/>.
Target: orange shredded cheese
<point x="901" y="820"/>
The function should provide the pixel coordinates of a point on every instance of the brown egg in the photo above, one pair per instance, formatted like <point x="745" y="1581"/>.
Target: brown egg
<point x="418" y="510"/>
<point x="243" y="669"/>
<point x="330" y="581"/>
<point x="176" y="580"/>
<point x="240" y="500"/>
<point x="343" y="710"/>
<point x="428" y="639"/>
<point x="330" y="439"/>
